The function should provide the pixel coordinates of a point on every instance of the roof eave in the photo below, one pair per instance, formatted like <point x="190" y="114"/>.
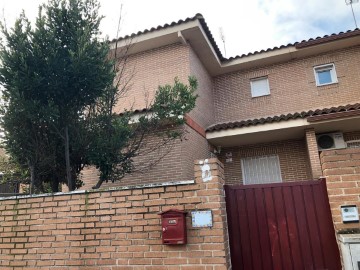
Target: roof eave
<point x="195" y="32"/>
<point x="279" y="131"/>
<point x="191" y="32"/>
<point x="153" y="39"/>
<point x="288" y="53"/>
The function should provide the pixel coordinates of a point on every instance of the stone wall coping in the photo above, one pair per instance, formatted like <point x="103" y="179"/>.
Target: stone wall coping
<point x="349" y="238"/>
<point x="142" y="186"/>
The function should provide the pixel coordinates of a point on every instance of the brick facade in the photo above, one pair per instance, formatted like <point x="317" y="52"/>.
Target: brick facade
<point x="149" y="69"/>
<point x="116" y="229"/>
<point x="203" y="113"/>
<point x="227" y="97"/>
<point x="168" y="166"/>
<point x="294" y="162"/>
<point x="313" y="153"/>
<point x="351" y="136"/>
<point x="175" y="163"/>
<point x="292" y="87"/>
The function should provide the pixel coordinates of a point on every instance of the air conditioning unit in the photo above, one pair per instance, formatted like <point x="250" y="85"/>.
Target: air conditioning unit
<point x="328" y="141"/>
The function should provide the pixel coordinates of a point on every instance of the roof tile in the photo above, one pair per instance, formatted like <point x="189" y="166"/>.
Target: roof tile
<point x="198" y="16"/>
<point x="283" y="117"/>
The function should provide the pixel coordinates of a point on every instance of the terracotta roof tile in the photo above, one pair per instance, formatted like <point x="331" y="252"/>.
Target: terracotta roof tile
<point x="159" y="27"/>
<point x="283" y="117"/>
<point x="305" y="43"/>
<point x="198" y="16"/>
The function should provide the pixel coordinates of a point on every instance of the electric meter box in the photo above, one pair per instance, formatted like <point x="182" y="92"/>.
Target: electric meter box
<point x="173" y="224"/>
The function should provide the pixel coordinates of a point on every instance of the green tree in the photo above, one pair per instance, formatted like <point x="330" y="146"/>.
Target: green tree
<point x="50" y="74"/>
<point x="117" y="140"/>
<point x="61" y="83"/>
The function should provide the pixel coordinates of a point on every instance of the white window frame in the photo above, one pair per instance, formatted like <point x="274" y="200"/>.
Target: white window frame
<point x="333" y="75"/>
<point x="278" y="169"/>
<point x="252" y="85"/>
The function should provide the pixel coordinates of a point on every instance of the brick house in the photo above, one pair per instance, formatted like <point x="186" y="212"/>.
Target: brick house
<point x="286" y="114"/>
<point x="260" y="109"/>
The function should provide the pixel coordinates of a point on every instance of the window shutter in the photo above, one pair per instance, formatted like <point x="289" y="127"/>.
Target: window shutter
<point x="260" y="87"/>
<point x="261" y="170"/>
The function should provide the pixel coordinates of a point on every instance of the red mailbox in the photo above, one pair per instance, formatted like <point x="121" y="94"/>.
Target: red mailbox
<point x="173" y="224"/>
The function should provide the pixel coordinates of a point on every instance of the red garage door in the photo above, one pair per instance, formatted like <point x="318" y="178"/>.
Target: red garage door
<point x="281" y="226"/>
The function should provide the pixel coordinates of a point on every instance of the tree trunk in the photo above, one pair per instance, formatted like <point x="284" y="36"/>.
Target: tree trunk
<point x="98" y="184"/>
<point x="55" y="185"/>
<point x="67" y="160"/>
<point x="32" y="178"/>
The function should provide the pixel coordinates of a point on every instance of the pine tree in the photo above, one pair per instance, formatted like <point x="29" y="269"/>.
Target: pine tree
<point x="60" y="89"/>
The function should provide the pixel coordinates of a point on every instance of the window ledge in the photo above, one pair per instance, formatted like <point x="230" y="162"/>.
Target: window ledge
<point x="266" y="95"/>
<point x="326" y="84"/>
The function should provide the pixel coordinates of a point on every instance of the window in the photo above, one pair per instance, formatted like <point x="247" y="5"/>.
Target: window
<point x="325" y="74"/>
<point x="260" y="87"/>
<point x="261" y="170"/>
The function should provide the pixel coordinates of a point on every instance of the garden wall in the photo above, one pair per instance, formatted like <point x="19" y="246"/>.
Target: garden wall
<point x="115" y="229"/>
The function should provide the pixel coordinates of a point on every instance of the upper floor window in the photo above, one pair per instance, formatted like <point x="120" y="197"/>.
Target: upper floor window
<point x="325" y="74"/>
<point x="260" y="87"/>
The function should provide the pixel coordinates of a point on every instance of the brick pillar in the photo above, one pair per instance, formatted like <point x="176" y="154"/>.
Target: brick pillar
<point x="313" y="153"/>
<point x="209" y="175"/>
<point x="342" y="171"/>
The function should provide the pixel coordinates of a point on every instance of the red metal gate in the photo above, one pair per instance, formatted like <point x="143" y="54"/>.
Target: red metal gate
<point x="281" y="226"/>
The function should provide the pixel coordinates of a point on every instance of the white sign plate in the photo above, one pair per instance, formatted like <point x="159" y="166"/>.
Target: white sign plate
<point x="201" y="219"/>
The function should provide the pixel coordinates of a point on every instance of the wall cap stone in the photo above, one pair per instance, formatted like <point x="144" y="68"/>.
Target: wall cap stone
<point x="142" y="186"/>
<point x="349" y="238"/>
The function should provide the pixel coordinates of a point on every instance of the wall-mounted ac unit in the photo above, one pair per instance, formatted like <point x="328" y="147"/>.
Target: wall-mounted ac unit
<point x="330" y="141"/>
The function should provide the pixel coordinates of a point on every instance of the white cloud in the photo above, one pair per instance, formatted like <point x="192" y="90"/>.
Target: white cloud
<point x="248" y="25"/>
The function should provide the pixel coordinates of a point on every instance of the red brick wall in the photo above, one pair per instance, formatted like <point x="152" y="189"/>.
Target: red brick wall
<point x="174" y="166"/>
<point x="168" y="167"/>
<point x="350" y="136"/>
<point x="313" y="153"/>
<point x="194" y="147"/>
<point x="204" y="112"/>
<point x="153" y="68"/>
<point x="118" y="229"/>
<point x="89" y="176"/>
<point x="292" y="87"/>
<point x="294" y="161"/>
<point x="342" y="171"/>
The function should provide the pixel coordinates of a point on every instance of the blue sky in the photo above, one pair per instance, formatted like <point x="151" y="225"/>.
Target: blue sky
<point x="248" y="25"/>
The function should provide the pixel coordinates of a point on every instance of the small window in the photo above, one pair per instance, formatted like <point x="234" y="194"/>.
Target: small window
<point x="261" y="170"/>
<point x="260" y="87"/>
<point x="325" y="74"/>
